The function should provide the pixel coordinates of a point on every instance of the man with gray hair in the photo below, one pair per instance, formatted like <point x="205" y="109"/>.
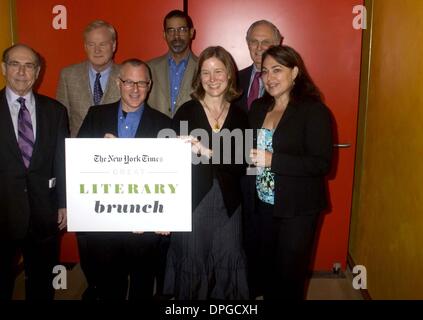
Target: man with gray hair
<point x="92" y="81"/>
<point x="260" y="36"/>
<point x="82" y="85"/>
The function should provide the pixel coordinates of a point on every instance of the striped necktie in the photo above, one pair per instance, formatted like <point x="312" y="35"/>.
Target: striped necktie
<point x="254" y="90"/>
<point x="25" y="132"/>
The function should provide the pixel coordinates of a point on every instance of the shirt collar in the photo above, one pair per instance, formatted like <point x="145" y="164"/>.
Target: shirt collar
<point x="12" y="96"/>
<point x="255" y="69"/>
<point x="139" y="110"/>
<point x="184" y="60"/>
<point x="103" y="73"/>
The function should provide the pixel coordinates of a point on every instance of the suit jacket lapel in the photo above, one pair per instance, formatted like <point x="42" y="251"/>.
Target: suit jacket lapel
<point x="42" y="129"/>
<point x="111" y="120"/>
<point x="289" y="112"/>
<point x="163" y="80"/>
<point x="186" y="85"/>
<point x="7" y="130"/>
<point x="85" y="88"/>
<point x="114" y="72"/>
<point x="144" y="127"/>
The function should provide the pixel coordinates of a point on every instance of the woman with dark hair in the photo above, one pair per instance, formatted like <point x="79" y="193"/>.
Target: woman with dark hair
<point x="209" y="261"/>
<point x="292" y="156"/>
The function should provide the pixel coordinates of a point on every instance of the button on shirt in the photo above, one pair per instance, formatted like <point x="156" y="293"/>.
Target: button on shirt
<point x="261" y="88"/>
<point x="14" y="107"/>
<point x="103" y="79"/>
<point x="176" y="74"/>
<point x="128" y="125"/>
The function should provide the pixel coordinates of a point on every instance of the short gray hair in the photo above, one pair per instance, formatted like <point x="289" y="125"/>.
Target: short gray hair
<point x="96" y="24"/>
<point x="276" y="33"/>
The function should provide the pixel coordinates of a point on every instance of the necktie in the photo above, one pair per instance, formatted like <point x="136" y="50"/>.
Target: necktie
<point x="25" y="132"/>
<point x="254" y="90"/>
<point x="98" y="92"/>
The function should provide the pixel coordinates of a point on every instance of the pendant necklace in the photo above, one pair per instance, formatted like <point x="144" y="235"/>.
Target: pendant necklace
<point x="216" y="128"/>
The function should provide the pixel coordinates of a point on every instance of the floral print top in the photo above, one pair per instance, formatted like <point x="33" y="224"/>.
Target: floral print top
<point x="265" y="179"/>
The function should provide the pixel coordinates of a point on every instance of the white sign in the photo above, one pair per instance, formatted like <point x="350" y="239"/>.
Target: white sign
<point x="128" y="184"/>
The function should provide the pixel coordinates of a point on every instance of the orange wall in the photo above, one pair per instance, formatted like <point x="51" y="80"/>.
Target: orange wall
<point x="387" y="223"/>
<point x="6" y="28"/>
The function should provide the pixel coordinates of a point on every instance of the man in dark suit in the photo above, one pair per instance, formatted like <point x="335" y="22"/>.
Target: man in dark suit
<point x="33" y="129"/>
<point x="260" y="36"/>
<point x="114" y="256"/>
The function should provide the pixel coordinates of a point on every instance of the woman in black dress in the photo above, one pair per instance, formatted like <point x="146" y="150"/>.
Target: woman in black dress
<point x="209" y="263"/>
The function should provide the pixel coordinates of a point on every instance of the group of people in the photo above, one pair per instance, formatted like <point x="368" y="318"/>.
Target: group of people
<point x="252" y="235"/>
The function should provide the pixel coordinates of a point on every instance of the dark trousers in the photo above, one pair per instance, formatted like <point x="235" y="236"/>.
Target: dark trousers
<point x="123" y="263"/>
<point x="160" y="268"/>
<point x="39" y="258"/>
<point x="279" y="253"/>
<point x="90" y="274"/>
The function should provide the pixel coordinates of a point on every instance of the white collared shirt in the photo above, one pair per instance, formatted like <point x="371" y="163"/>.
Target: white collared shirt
<point x="14" y="107"/>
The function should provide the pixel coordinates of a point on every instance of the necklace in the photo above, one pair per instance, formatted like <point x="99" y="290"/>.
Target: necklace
<point x="216" y="128"/>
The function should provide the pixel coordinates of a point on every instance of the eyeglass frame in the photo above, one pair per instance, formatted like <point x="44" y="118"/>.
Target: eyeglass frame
<point x="180" y="30"/>
<point x="129" y="84"/>
<point x="17" y="65"/>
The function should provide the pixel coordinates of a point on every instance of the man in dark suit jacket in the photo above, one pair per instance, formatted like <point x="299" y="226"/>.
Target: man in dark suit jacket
<point x="260" y="36"/>
<point x="114" y="256"/>
<point x="33" y="129"/>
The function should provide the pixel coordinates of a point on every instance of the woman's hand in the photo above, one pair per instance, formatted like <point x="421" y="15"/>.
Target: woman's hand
<point x="261" y="158"/>
<point x="197" y="147"/>
<point x="109" y="135"/>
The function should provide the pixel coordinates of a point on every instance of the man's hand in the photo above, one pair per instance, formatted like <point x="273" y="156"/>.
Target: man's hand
<point x="62" y="218"/>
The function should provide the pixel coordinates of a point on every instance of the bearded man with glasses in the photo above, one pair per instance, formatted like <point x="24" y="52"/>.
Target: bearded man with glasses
<point x="172" y="73"/>
<point x="172" y="76"/>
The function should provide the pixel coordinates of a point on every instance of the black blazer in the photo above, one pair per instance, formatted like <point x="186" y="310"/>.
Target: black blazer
<point x="302" y="152"/>
<point x="228" y="175"/>
<point x="27" y="202"/>
<point x="244" y="77"/>
<point x="104" y="119"/>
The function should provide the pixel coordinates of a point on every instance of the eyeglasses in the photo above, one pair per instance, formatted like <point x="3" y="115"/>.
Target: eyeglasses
<point x="130" y="84"/>
<point x="17" y="65"/>
<point x="256" y="43"/>
<point x="181" y="30"/>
